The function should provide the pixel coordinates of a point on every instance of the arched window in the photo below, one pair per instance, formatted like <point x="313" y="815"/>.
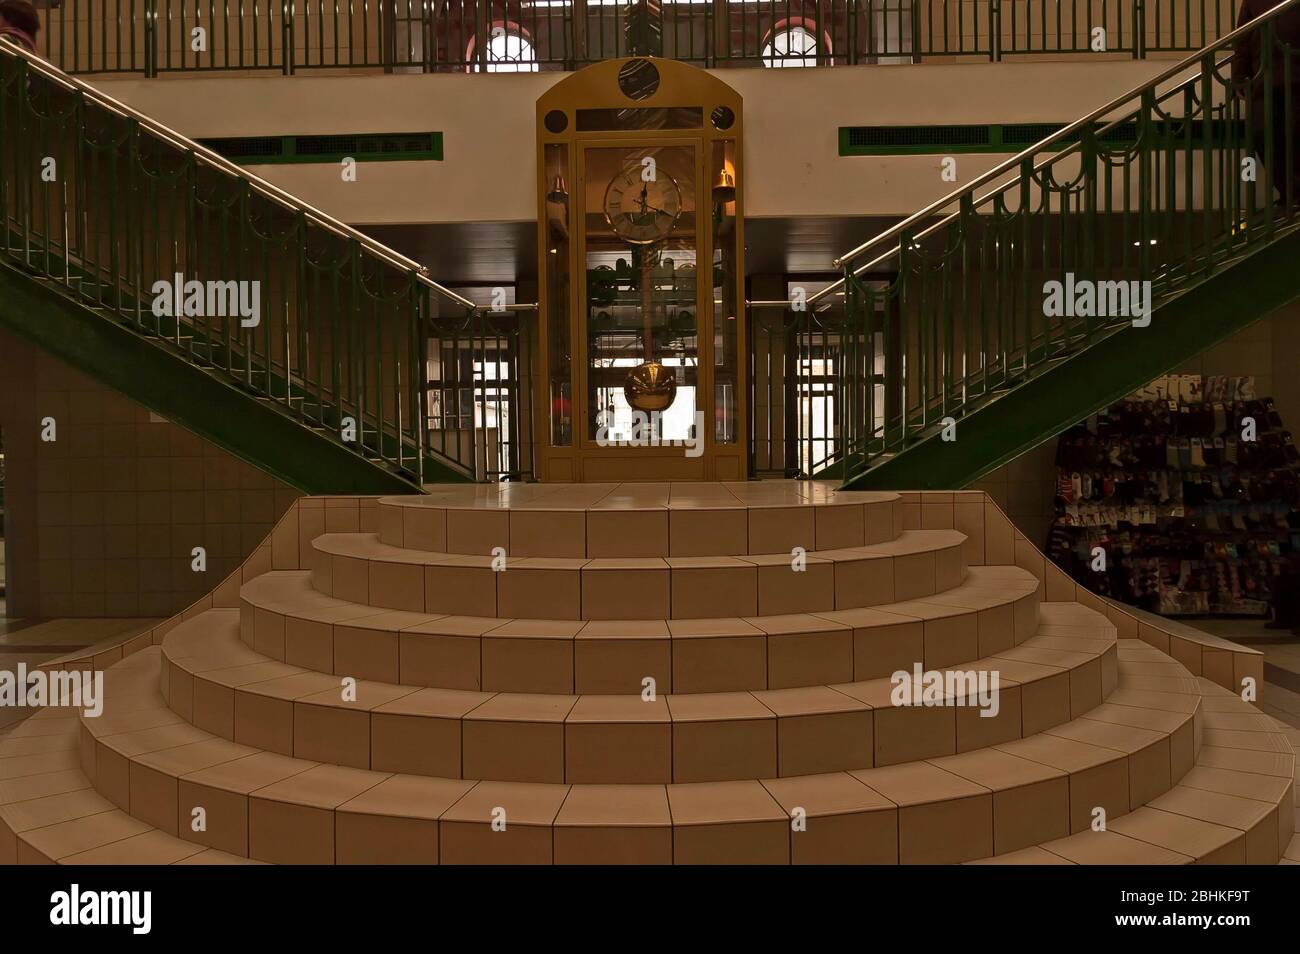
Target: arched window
<point x="509" y="50"/>
<point x="792" y="43"/>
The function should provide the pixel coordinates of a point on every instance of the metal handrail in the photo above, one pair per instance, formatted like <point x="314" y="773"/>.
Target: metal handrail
<point x="1042" y="145"/>
<point x="272" y="191"/>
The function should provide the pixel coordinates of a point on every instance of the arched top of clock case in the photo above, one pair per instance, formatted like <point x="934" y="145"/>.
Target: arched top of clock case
<point x="640" y="82"/>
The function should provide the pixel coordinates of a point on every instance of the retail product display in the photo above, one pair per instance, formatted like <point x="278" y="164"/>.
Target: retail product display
<point x="1183" y="499"/>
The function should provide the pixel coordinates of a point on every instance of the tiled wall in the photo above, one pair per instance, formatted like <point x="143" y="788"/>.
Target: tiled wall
<point x="102" y="521"/>
<point x="1250" y="352"/>
<point x="1025" y="489"/>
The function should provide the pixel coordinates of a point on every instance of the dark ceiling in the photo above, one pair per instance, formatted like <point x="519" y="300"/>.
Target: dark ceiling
<point x="488" y="253"/>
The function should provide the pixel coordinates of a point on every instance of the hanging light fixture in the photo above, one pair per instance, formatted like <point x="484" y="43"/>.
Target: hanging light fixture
<point x="724" y="189"/>
<point x="559" y="191"/>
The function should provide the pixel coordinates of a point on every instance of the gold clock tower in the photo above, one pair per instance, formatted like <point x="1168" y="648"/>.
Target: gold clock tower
<point x="640" y="240"/>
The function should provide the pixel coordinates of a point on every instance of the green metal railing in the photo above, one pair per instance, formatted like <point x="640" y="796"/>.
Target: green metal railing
<point x="1040" y="258"/>
<point x="160" y="36"/>
<point x="238" y="278"/>
<point x="799" y="360"/>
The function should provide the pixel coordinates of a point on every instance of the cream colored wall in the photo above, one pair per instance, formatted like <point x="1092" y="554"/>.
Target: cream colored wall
<point x="792" y="126"/>
<point x="487" y="174"/>
<point x="792" y="120"/>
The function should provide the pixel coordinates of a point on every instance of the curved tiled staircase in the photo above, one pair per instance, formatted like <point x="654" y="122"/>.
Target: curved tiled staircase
<point x="638" y="673"/>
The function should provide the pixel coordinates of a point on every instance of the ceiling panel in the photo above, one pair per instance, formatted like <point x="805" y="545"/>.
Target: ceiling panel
<point x="466" y="253"/>
<point x="487" y="253"/>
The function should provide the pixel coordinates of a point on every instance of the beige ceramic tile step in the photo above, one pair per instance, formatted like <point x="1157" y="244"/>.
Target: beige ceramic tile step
<point x="291" y="810"/>
<point x="993" y="610"/>
<point x="651" y="520"/>
<point x="54" y="815"/>
<point x="1235" y="806"/>
<point x="360" y="568"/>
<point x="222" y="686"/>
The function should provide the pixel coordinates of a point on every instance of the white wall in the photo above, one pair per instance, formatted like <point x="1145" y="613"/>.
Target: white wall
<point x="792" y="122"/>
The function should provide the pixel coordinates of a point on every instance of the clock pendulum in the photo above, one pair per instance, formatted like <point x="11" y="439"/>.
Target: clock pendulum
<point x="650" y="386"/>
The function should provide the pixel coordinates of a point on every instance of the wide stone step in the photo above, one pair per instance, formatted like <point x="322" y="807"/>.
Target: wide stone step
<point x="219" y="684"/>
<point x="1243" y="814"/>
<point x="358" y="567"/>
<point x="995" y="608"/>
<point x="994" y="801"/>
<point x="569" y="521"/>
<point x="50" y="812"/>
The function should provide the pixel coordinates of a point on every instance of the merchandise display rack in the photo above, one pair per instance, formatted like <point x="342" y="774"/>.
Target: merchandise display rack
<point x="1191" y="489"/>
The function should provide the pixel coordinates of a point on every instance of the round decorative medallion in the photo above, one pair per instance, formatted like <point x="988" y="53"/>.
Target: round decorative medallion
<point x="556" y="121"/>
<point x="638" y="79"/>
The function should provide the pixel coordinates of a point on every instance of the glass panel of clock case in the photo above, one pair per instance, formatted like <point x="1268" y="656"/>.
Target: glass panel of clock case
<point x="724" y="299"/>
<point x="559" y="366"/>
<point x="642" y="238"/>
<point x="641" y="118"/>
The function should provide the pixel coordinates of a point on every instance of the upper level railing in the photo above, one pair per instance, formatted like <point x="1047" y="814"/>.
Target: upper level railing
<point x="163" y="36"/>
<point x="238" y="277"/>
<point x="1037" y="259"/>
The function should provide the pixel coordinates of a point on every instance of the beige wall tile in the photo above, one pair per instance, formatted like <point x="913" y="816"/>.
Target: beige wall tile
<point x="125" y="496"/>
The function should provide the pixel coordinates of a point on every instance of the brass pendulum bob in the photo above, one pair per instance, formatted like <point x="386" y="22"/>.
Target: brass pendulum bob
<point x="649" y="386"/>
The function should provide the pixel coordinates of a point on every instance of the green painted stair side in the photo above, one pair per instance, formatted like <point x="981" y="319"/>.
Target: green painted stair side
<point x="253" y="429"/>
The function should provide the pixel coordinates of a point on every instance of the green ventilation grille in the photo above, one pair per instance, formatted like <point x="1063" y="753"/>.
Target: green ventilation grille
<point x="363" y="147"/>
<point x="877" y="140"/>
<point x="1011" y="138"/>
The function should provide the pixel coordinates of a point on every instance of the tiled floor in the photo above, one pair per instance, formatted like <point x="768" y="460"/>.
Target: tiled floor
<point x="629" y="495"/>
<point x="1281" y="651"/>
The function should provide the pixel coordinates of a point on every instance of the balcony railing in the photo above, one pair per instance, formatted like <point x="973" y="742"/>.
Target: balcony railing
<point x="164" y="36"/>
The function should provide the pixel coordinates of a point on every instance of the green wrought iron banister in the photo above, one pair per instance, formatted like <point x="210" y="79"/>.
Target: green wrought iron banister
<point x="225" y="274"/>
<point x="160" y="36"/>
<point x="1038" y="261"/>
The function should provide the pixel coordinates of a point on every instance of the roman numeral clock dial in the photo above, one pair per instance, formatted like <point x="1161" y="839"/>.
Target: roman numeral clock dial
<point x="641" y="210"/>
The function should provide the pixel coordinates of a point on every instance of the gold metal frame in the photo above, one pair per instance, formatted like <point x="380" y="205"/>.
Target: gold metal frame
<point x="597" y="87"/>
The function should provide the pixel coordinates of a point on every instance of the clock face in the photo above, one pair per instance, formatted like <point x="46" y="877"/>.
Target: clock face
<point x="642" y="211"/>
